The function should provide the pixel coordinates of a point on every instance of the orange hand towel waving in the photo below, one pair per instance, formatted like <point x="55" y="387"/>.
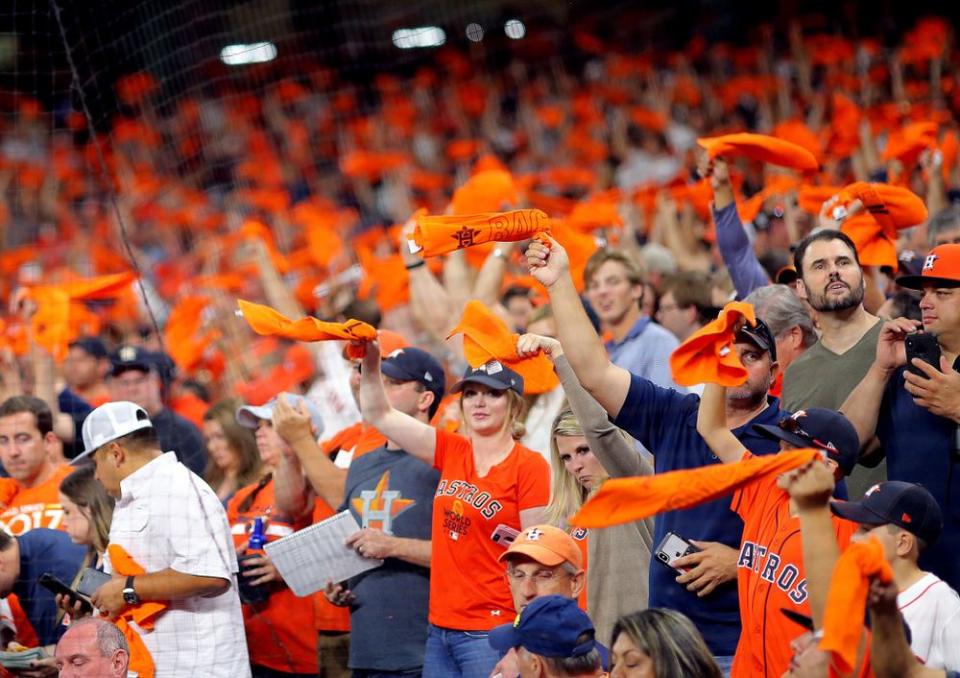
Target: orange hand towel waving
<point x="143" y="615"/>
<point x="708" y="355"/>
<point x="847" y="600"/>
<point x="265" y="320"/>
<point x="888" y="209"/>
<point x="625" y="500"/>
<point x="438" y="235"/>
<point x="762" y="148"/>
<point x="52" y="324"/>
<point x="486" y="337"/>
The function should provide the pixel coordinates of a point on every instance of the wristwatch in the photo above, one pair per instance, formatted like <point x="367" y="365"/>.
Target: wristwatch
<point x="130" y="596"/>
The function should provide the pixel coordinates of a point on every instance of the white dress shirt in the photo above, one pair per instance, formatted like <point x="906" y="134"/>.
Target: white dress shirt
<point x="167" y="517"/>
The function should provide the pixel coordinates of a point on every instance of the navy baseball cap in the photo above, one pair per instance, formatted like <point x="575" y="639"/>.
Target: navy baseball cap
<point x="133" y="358"/>
<point x="760" y="336"/>
<point x="93" y="346"/>
<point x="895" y="502"/>
<point x="550" y="627"/>
<point x="494" y="374"/>
<point x="818" y="427"/>
<point x="414" y="364"/>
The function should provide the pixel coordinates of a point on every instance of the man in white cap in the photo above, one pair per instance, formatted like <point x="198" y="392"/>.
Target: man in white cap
<point x="172" y="525"/>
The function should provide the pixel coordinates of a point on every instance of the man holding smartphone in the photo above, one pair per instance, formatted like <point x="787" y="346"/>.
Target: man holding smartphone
<point x="916" y="417"/>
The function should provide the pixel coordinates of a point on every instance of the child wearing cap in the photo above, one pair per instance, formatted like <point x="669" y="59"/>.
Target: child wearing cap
<point x="770" y="567"/>
<point x="905" y="519"/>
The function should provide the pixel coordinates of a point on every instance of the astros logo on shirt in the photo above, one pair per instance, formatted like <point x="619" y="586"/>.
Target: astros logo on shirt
<point x="378" y="507"/>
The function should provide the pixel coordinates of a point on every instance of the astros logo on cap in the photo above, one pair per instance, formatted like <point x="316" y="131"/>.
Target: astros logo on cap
<point x="875" y="488"/>
<point x="534" y="534"/>
<point x="928" y="262"/>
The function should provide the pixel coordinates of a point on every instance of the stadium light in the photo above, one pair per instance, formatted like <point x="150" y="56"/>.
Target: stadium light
<point x="514" y="29"/>
<point x="254" y="53"/>
<point x="474" y="32"/>
<point x="422" y="36"/>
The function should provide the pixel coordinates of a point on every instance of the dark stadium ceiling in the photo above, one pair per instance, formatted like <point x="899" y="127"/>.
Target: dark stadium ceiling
<point x="181" y="40"/>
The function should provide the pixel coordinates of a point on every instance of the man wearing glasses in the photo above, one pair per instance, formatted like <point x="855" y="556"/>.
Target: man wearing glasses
<point x="542" y="561"/>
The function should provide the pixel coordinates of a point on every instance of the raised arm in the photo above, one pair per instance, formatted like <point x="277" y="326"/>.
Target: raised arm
<point x="862" y="406"/>
<point x="605" y="381"/>
<point x="616" y="453"/>
<point x="890" y="654"/>
<point x="712" y="425"/>
<point x="415" y="437"/>
<point x="735" y="248"/>
<point x="810" y="488"/>
<point x="325" y="478"/>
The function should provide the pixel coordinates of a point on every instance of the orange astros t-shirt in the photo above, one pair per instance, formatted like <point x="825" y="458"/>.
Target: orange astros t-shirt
<point x="37" y="506"/>
<point x="770" y="576"/>
<point x="286" y="620"/>
<point x="468" y="589"/>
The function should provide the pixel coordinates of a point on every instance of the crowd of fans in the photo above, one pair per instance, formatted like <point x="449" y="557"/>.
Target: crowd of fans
<point x="146" y="432"/>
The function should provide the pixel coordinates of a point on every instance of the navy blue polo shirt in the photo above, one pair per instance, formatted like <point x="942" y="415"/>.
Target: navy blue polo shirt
<point x="44" y="550"/>
<point x="923" y="448"/>
<point x="665" y="422"/>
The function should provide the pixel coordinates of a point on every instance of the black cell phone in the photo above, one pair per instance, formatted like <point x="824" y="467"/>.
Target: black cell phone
<point x="922" y="345"/>
<point x="55" y="586"/>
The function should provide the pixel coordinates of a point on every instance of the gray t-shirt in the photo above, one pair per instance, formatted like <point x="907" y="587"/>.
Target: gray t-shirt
<point x="822" y="378"/>
<point x="391" y="491"/>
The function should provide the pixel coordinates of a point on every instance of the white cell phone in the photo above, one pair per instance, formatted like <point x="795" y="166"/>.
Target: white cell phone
<point x="504" y="535"/>
<point x="672" y="547"/>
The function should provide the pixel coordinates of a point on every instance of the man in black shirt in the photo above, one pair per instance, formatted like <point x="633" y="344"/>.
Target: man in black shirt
<point x="141" y="376"/>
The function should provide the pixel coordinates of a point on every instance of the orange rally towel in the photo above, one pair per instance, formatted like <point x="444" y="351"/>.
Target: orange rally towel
<point x="144" y="614"/>
<point x="266" y="321"/>
<point x="625" y="500"/>
<point x="438" y="235"/>
<point x="708" y="356"/>
<point x="57" y="320"/>
<point x="486" y="337"/>
<point x="847" y="600"/>
<point x="761" y="147"/>
<point x="887" y="209"/>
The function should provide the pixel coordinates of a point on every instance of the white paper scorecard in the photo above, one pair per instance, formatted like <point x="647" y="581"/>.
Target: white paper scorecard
<point x="315" y="555"/>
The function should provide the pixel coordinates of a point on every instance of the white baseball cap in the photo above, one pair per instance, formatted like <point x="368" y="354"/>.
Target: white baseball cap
<point x="109" y="422"/>
<point x="249" y="416"/>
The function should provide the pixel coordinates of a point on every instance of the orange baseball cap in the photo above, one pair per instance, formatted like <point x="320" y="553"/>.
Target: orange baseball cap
<point x="546" y="544"/>
<point x="941" y="267"/>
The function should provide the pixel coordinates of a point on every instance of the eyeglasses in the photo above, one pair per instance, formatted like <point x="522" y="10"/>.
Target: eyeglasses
<point x="791" y="425"/>
<point x="539" y="577"/>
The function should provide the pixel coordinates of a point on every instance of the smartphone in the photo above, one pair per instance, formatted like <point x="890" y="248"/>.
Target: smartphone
<point x="672" y="547"/>
<point x="504" y="535"/>
<point x="922" y="345"/>
<point x="91" y="580"/>
<point x="55" y="586"/>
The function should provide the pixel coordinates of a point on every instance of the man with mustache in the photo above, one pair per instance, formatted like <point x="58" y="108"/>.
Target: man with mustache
<point x="832" y="282"/>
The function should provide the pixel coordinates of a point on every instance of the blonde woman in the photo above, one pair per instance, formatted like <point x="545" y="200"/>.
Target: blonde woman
<point x="586" y="449"/>
<point x="490" y="486"/>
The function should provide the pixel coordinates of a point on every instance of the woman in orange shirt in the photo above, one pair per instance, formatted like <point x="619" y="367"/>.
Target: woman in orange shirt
<point x="490" y="487"/>
<point x="279" y="626"/>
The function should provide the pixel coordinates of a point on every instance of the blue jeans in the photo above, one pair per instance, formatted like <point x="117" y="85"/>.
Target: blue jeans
<point x="367" y="673"/>
<point x="725" y="664"/>
<point x="458" y="654"/>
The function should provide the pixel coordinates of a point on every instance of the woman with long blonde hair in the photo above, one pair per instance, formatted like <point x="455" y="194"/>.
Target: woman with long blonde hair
<point x="585" y="450"/>
<point x="490" y="487"/>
